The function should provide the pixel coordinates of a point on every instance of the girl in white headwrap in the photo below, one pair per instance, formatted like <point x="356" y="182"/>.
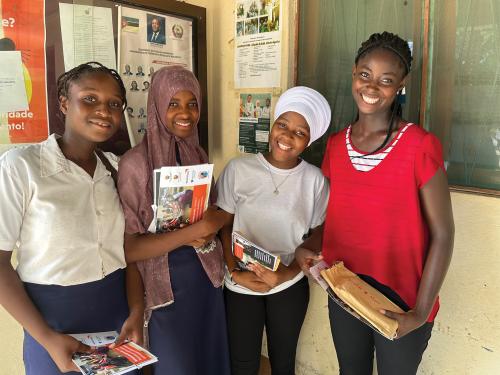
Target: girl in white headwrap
<point x="276" y="199"/>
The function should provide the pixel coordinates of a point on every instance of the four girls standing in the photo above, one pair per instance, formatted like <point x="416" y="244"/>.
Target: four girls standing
<point x="388" y="217"/>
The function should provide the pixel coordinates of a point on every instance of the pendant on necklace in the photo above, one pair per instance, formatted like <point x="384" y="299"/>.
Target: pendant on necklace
<point x="276" y="192"/>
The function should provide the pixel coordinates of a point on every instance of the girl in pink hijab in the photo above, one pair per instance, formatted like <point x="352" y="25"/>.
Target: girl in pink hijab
<point x="182" y="278"/>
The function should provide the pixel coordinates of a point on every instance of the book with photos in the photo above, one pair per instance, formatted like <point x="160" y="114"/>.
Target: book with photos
<point x="248" y="252"/>
<point x="181" y="195"/>
<point x="357" y="297"/>
<point x="103" y="360"/>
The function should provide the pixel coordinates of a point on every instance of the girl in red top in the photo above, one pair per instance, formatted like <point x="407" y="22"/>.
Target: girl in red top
<point x="389" y="215"/>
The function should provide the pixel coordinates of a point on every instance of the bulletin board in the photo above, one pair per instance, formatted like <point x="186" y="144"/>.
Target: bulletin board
<point x="56" y="44"/>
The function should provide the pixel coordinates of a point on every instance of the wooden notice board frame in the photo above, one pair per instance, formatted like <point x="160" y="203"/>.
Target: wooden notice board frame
<point x="55" y="59"/>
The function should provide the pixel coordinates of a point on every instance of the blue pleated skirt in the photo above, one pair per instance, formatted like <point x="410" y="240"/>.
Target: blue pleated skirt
<point x="189" y="337"/>
<point x="91" y="307"/>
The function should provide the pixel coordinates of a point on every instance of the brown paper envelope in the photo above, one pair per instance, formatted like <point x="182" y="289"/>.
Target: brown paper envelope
<point x="362" y="298"/>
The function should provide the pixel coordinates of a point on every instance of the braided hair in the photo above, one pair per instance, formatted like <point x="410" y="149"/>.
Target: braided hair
<point x="400" y="48"/>
<point x="389" y="41"/>
<point x="66" y="79"/>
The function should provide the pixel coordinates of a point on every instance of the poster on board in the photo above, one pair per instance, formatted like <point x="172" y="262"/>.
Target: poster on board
<point x="147" y="42"/>
<point x="254" y="123"/>
<point x="22" y="46"/>
<point x="87" y="35"/>
<point x="257" y="44"/>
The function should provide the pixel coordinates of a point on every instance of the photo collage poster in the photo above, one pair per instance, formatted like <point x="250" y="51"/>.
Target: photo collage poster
<point x="258" y="44"/>
<point x="254" y="122"/>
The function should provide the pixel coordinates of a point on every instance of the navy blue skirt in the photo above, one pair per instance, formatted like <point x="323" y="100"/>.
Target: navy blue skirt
<point x="91" y="307"/>
<point x="189" y="337"/>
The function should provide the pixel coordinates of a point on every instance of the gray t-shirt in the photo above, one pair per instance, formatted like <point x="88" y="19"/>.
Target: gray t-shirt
<point x="276" y="222"/>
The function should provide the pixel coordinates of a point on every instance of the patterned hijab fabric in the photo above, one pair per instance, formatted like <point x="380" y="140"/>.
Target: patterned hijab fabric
<point x="308" y="103"/>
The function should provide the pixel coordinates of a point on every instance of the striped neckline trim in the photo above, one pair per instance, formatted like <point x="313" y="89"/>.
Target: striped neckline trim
<point x="363" y="163"/>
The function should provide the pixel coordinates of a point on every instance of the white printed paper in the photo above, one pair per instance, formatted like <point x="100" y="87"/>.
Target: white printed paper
<point x="96" y="338"/>
<point x="12" y="89"/>
<point x="258" y="44"/>
<point x="87" y="35"/>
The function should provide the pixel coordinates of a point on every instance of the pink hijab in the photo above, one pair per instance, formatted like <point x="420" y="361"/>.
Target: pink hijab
<point x="156" y="150"/>
<point x="165" y="83"/>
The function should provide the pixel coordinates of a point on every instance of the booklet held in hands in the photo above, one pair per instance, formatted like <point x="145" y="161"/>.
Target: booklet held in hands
<point x="248" y="252"/>
<point x="103" y="360"/>
<point x="181" y="195"/>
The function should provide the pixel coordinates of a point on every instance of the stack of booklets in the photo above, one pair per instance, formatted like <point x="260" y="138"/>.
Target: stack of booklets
<point x="248" y="252"/>
<point x="181" y="195"/>
<point x="357" y="297"/>
<point x="105" y="361"/>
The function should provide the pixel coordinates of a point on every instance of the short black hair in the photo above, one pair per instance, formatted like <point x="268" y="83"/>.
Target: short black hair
<point x="64" y="81"/>
<point x="389" y="41"/>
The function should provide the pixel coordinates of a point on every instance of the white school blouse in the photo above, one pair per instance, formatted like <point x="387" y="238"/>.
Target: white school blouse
<point x="66" y="225"/>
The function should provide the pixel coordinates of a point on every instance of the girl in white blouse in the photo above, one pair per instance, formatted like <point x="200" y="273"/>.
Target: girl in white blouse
<point x="61" y="212"/>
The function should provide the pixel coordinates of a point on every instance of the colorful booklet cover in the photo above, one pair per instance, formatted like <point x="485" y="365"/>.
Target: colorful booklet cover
<point x="248" y="252"/>
<point x="105" y="361"/>
<point x="181" y="195"/>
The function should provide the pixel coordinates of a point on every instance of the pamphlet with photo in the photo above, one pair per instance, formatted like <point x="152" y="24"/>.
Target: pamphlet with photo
<point x="103" y="360"/>
<point x="248" y="252"/>
<point x="181" y="195"/>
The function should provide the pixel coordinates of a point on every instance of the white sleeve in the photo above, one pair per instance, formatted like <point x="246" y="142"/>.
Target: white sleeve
<point x="13" y="206"/>
<point x="226" y="195"/>
<point x="322" y="194"/>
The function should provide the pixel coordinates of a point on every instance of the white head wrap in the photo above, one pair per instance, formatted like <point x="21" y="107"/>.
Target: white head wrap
<point x="308" y="103"/>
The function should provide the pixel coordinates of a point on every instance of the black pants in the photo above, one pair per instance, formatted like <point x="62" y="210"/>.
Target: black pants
<point x="355" y="342"/>
<point x="281" y="313"/>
